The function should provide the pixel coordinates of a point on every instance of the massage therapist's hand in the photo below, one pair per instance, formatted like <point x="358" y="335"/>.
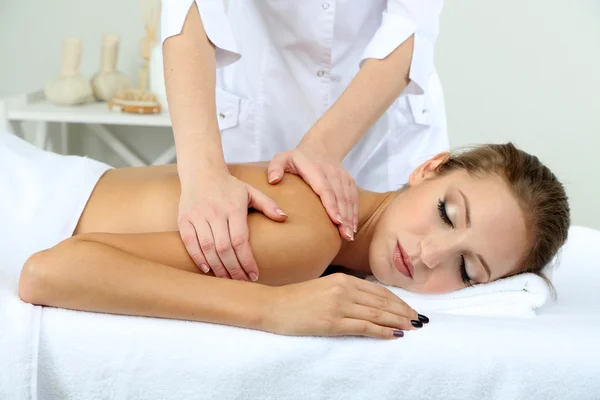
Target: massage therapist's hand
<point x="337" y="305"/>
<point x="327" y="178"/>
<point x="213" y="223"/>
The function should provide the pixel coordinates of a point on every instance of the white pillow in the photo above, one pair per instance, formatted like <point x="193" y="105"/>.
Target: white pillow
<point x="576" y="270"/>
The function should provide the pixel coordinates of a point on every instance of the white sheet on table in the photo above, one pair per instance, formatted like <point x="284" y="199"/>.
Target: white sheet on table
<point x="19" y="327"/>
<point x="552" y="356"/>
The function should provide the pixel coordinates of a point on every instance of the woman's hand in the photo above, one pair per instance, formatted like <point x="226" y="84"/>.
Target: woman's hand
<point x="338" y="305"/>
<point x="327" y="178"/>
<point x="213" y="223"/>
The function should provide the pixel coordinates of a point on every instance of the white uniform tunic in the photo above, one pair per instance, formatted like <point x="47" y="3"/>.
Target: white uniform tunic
<point x="297" y="57"/>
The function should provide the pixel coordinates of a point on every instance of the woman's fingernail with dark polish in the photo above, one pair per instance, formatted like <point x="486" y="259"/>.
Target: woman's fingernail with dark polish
<point x="416" y="324"/>
<point x="423" y="318"/>
<point x="398" y="334"/>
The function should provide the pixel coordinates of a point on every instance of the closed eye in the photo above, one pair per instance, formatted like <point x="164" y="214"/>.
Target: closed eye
<point x="443" y="213"/>
<point x="464" y="276"/>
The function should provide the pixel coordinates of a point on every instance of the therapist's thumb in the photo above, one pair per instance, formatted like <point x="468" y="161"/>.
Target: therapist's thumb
<point x="276" y="168"/>
<point x="266" y="205"/>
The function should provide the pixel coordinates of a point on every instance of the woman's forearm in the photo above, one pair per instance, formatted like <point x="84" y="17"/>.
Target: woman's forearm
<point x="88" y="276"/>
<point x="190" y="79"/>
<point x="371" y="92"/>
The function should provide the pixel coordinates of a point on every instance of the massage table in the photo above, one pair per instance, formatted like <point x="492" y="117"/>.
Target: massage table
<point x="48" y="353"/>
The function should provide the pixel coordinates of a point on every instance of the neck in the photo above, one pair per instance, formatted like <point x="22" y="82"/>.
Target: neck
<point x="355" y="255"/>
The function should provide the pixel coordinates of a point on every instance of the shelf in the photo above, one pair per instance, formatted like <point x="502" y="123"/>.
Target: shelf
<point x="34" y="107"/>
<point x="41" y="109"/>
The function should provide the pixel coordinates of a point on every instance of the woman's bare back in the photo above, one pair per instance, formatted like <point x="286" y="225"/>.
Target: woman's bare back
<point x="140" y="204"/>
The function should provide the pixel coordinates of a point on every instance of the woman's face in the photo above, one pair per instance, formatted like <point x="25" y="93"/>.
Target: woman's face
<point x="447" y="232"/>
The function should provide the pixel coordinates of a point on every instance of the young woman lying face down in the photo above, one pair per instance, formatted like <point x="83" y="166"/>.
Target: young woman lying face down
<point x="463" y="219"/>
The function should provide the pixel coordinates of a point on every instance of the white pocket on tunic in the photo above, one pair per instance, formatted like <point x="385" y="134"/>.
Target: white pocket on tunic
<point x="420" y="109"/>
<point x="228" y="109"/>
<point x="236" y="119"/>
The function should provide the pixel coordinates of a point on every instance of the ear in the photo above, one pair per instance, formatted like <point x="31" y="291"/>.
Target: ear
<point x="427" y="169"/>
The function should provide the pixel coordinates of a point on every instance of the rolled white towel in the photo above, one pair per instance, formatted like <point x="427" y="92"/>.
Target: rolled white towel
<point x="516" y="296"/>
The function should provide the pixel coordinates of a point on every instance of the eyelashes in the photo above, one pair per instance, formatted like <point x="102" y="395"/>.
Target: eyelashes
<point x="443" y="214"/>
<point x="464" y="276"/>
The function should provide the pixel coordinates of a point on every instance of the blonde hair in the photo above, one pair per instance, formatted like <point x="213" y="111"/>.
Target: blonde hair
<point x="541" y="196"/>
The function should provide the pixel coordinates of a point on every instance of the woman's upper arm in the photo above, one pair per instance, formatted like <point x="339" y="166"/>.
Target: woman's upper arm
<point x="300" y="248"/>
<point x="215" y="22"/>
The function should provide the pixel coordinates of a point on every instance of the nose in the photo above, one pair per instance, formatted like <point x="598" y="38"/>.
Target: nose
<point x="439" y="249"/>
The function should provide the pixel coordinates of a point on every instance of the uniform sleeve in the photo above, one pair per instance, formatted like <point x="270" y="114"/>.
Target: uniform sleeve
<point x="401" y="20"/>
<point x="215" y="21"/>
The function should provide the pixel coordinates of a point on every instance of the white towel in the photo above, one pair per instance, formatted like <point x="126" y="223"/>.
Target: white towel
<point x="19" y="326"/>
<point x="516" y="296"/>
<point x="42" y="195"/>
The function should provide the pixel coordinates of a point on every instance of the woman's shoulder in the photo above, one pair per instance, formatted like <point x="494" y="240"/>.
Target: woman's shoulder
<point x="292" y="194"/>
<point x="306" y="242"/>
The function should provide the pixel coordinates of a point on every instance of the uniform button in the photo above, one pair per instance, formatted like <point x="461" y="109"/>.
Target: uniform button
<point x="325" y="6"/>
<point x="425" y="111"/>
<point x="320" y="73"/>
<point x="221" y="115"/>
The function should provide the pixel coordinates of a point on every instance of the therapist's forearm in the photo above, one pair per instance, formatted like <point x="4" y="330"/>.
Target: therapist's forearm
<point x="190" y="78"/>
<point x="369" y="95"/>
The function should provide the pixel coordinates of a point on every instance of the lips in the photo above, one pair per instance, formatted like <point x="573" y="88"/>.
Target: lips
<point x="402" y="261"/>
